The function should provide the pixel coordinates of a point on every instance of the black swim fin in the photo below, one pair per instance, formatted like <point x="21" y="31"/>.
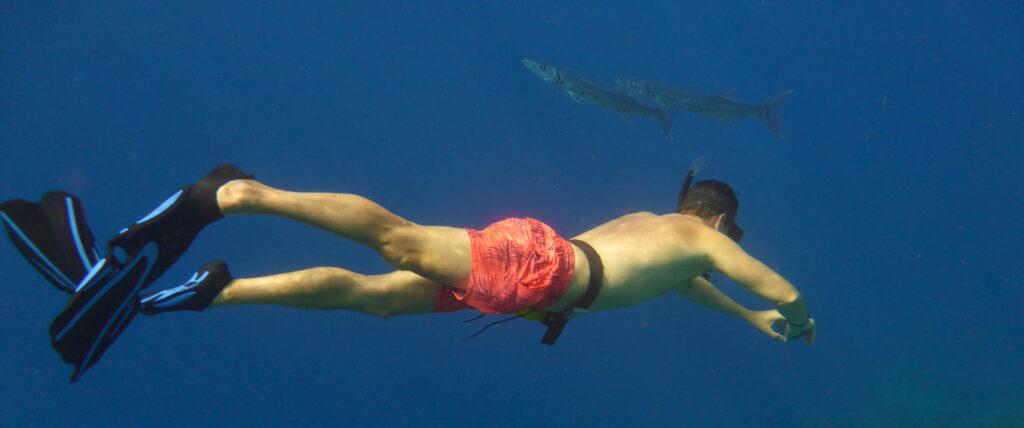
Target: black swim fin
<point x="177" y="221"/>
<point x="53" y="236"/>
<point x="100" y="311"/>
<point x="196" y="294"/>
<point x="107" y="298"/>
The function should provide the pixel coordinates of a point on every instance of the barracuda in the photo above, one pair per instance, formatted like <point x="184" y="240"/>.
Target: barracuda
<point x="723" y="106"/>
<point x="581" y="88"/>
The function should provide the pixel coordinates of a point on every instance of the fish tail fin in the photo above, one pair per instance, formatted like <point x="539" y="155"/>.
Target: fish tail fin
<point x="772" y="112"/>
<point x="665" y="119"/>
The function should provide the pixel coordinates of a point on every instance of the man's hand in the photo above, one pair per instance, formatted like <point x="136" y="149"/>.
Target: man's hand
<point x="763" y="321"/>
<point x="807" y="331"/>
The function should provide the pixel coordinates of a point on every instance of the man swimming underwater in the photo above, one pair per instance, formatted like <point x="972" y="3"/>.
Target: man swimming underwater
<point x="515" y="266"/>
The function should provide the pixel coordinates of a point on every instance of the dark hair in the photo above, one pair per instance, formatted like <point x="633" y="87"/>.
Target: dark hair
<point x="709" y="198"/>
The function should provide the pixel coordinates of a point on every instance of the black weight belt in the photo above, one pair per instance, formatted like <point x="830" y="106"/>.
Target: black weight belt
<point x="556" y="321"/>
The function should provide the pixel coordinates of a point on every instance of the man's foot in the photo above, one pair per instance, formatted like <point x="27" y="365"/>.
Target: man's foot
<point x="195" y="294"/>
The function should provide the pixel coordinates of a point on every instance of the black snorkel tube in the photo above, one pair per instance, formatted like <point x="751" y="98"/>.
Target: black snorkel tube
<point x="694" y="168"/>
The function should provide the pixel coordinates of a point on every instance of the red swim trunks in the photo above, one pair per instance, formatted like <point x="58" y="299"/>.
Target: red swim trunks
<point x="518" y="263"/>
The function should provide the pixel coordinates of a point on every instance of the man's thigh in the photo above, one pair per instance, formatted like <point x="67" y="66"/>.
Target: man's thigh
<point x="406" y="293"/>
<point x="439" y="253"/>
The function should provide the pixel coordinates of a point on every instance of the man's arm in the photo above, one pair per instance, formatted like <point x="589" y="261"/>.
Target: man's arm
<point x="705" y="294"/>
<point x="728" y="258"/>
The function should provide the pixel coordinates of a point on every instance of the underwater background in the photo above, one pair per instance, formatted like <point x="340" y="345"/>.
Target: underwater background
<point x="893" y="204"/>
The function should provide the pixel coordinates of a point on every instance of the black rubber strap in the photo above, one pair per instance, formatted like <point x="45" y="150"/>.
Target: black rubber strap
<point x="596" y="275"/>
<point x="556" y="321"/>
<point x="800" y="325"/>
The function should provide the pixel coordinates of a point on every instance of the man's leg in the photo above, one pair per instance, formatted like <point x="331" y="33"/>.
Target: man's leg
<point x="440" y="254"/>
<point x="326" y="288"/>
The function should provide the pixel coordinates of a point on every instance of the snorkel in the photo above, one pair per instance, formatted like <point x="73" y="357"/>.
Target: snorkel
<point x="694" y="168"/>
<point x="712" y="195"/>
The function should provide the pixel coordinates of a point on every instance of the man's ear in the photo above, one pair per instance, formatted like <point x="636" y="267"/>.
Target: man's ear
<point x="718" y="219"/>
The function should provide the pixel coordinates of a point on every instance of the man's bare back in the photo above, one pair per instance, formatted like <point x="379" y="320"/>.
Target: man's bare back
<point x="645" y="255"/>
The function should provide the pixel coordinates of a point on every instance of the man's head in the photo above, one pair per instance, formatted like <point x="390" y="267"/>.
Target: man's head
<point x="710" y="198"/>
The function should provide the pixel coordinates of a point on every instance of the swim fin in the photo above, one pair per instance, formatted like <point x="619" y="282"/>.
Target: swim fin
<point x="53" y="236"/>
<point x="100" y="311"/>
<point x="106" y="300"/>
<point x="196" y="294"/>
<point x="176" y="222"/>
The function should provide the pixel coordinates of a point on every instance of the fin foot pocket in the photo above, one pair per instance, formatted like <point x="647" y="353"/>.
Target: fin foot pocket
<point x="175" y="223"/>
<point x="196" y="294"/>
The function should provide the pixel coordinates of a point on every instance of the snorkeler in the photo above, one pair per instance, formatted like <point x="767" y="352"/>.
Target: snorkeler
<point x="515" y="266"/>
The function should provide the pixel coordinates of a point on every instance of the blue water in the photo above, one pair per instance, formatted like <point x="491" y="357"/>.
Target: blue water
<point x="894" y="205"/>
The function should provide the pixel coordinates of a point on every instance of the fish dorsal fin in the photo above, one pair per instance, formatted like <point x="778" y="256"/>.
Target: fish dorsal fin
<point x="574" y="96"/>
<point x="729" y="94"/>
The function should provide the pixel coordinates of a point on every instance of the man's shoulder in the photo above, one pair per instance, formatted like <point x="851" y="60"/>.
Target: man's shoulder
<point x="640" y="223"/>
<point x="645" y="217"/>
<point x="637" y="215"/>
<point x="669" y="218"/>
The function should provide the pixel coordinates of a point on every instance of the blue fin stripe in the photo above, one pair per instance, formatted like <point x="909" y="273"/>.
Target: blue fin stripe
<point x="163" y="207"/>
<point x="110" y="282"/>
<point x="176" y="300"/>
<point x="59" y="282"/>
<point x="170" y="292"/>
<point x="88" y="276"/>
<point x="121" y="320"/>
<point x="39" y="254"/>
<point x="166" y="293"/>
<point x="74" y="232"/>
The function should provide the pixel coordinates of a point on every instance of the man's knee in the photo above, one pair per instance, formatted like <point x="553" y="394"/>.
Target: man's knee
<point x="351" y="291"/>
<point x="401" y="247"/>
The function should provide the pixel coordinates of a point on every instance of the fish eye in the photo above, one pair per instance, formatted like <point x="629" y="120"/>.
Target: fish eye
<point x="542" y="68"/>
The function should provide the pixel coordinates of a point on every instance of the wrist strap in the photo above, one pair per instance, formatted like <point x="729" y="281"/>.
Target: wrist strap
<point x="800" y="325"/>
